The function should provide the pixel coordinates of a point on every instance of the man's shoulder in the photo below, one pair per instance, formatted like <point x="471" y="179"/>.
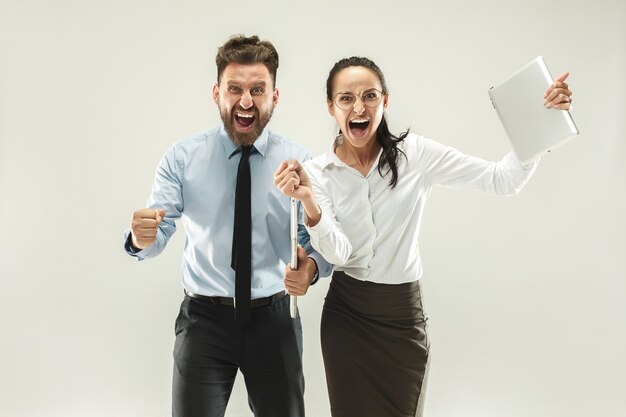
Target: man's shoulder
<point x="196" y="139"/>
<point x="194" y="145"/>
<point x="286" y="147"/>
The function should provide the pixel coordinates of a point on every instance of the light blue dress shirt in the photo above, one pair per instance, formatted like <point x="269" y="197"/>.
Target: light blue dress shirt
<point x="195" y="181"/>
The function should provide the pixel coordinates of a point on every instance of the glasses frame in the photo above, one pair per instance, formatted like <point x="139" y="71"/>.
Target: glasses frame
<point x="360" y="96"/>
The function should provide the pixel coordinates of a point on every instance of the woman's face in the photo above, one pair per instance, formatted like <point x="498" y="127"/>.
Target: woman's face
<point x="357" y="104"/>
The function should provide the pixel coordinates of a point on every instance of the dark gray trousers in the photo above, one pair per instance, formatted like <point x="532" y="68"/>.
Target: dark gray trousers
<point x="210" y="347"/>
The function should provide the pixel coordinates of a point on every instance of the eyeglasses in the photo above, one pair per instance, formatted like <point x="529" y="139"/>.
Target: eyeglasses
<point x="370" y="98"/>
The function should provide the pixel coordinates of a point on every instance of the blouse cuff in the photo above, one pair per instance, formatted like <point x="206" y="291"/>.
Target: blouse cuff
<point x="321" y="229"/>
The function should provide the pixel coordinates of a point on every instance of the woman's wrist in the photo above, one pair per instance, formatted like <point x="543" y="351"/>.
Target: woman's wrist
<point x="311" y="208"/>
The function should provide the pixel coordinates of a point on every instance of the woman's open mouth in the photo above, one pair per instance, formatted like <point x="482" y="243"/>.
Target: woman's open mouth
<point x="358" y="127"/>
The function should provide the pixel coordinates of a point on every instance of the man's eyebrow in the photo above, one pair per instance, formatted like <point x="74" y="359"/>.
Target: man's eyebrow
<point x="260" y="83"/>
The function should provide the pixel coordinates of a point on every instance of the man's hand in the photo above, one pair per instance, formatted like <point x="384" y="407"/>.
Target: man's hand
<point x="144" y="225"/>
<point x="297" y="281"/>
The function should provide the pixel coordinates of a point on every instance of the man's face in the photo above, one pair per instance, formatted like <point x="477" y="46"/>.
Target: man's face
<point x="246" y="98"/>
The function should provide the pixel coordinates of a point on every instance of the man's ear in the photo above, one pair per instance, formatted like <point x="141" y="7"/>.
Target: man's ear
<point x="276" y="96"/>
<point x="215" y="92"/>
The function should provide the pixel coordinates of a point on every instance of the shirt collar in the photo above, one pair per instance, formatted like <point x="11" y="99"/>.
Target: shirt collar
<point x="230" y="148"/>
<point x="331" y="158"/>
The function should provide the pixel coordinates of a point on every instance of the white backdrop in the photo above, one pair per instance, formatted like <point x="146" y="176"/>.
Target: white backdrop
<point x="525" y="294"/>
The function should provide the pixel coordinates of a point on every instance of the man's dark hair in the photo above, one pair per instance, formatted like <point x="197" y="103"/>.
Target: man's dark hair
<point x="247" y="50"/>
<point x="388" y="141"/>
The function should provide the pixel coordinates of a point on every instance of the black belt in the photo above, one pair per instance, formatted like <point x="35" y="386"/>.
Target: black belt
<point x="227" y="301"/>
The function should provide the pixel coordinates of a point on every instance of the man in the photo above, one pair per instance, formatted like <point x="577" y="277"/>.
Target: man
<point x="235" y="314"/>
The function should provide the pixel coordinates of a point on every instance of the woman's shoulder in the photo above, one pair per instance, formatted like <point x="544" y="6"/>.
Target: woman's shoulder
<point x="318" y="163"/>
<point x="416" y="144"/>
<point x="411" y="142"/>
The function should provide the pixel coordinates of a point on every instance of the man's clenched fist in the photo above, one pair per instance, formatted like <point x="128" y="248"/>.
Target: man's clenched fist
<point x="144" y="225"/>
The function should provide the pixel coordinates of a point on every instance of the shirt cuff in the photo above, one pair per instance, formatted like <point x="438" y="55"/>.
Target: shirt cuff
<point x="324" y="269"/>
<point x="130" y="249"/>
<point x="321" y="229"/>
<point x="316" y="276"/>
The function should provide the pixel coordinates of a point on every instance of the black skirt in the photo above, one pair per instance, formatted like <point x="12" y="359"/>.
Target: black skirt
<point x="375" y="348"/>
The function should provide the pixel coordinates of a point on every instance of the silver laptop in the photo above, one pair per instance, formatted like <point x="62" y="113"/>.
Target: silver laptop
<point x="532" y="128"/>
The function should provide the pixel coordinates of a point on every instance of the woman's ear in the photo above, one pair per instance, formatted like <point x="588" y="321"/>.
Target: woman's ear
<point x="331" y="107"/>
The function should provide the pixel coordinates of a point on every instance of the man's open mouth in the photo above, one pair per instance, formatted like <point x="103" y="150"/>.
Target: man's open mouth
<point x="244" y="120"/>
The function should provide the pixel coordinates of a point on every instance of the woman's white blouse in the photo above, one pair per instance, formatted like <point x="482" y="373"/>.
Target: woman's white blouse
<point x="369" y="230"/>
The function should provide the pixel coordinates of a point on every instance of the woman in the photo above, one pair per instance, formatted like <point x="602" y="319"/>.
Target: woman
<point x="363" y="204"/>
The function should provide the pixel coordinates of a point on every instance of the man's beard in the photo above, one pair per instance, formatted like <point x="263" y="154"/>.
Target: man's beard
<point x="248" y="138"/>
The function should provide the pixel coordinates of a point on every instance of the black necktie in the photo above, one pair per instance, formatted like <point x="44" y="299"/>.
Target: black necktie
<point x="241" y="260"/>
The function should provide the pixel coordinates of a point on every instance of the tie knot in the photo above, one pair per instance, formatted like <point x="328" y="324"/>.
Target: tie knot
<point x="245" y="150"/>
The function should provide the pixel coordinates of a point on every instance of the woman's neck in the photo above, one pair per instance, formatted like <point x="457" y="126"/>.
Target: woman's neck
<point x="360" y="159"/>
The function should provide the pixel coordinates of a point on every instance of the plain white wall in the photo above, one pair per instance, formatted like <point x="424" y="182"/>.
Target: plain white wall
<point x="525" y="294"/>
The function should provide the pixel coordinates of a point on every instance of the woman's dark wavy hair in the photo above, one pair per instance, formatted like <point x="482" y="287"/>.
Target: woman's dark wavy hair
<point x="388" y="141"/>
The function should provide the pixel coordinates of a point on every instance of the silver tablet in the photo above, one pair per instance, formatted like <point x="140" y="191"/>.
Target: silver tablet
<point x="532" y="128"/>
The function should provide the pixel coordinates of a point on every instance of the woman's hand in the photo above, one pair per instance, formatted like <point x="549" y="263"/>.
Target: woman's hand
<point x="558" y="95"/>
<point x="291" y="179"/>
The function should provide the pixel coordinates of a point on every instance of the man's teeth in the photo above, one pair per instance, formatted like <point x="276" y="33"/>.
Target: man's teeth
<point x="248" y="116"/>
<point x="359" y="121"/>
